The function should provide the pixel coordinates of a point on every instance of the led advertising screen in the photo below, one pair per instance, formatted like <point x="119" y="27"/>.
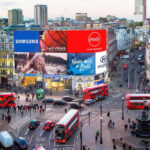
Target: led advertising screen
<point x="26" y="41"/>
<point x="41" y="63"/>
<point x="101" y="62"/>
<point x="53" y="41"/>
<point x="86" y="41"/>
<point x="81" y="63"/>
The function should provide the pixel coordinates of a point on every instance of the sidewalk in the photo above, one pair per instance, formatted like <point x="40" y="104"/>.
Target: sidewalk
<point x="89" y="132"/>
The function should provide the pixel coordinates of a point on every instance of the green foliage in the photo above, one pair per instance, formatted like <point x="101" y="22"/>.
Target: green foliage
<point x="102" y="19"/>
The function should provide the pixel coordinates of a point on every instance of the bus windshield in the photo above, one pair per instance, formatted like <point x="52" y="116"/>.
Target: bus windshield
<point x="60" y="132"/>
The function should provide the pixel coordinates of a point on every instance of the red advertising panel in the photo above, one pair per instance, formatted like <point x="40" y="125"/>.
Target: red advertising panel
<point x="53" y="41"/>
<point x="87" y="41"/>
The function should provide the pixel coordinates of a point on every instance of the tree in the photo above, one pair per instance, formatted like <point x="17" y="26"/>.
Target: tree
<point x="101" y="19"/>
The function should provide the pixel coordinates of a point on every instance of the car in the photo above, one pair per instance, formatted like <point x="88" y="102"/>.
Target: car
<point x="100" y="97"/>
<point x="22" y="144"/>
<point x="59" y="102"/>
<point x="48" y="100"/>
<point x="125" y="66"/>
<point x="67" y="98"/>
<point x="6" y="139"/>
<point x="75" y="105"/>
<point x="140" y="57"/>
<point x="89" y="101"/>
<point x="34" y="123"/>
<point x="39" y="148"/>
<point x="48" y="125"/>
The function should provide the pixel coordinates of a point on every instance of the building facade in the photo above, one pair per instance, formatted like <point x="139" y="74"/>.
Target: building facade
<point x="15" y="17"/>
<point x="125" y="39"/>
<point x="82" y="17"/>
<point x="41" y="15"/>
<point x="140" y="10"/>
<point x="6" y="58"/>
<point x="147" y="58"/>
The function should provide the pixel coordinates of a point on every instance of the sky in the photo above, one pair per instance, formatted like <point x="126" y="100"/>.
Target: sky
<point x="68" y="8"/>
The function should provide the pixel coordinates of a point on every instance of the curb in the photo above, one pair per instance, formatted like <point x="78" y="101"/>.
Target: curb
<point x="6" y="124"/>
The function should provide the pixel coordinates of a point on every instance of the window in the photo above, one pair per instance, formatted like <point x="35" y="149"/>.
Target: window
<point x="11" y="55"/>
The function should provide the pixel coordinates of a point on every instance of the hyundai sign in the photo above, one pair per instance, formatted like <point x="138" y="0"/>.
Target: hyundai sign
<point x="101" y="62"/>
<point x="26" y="41"/>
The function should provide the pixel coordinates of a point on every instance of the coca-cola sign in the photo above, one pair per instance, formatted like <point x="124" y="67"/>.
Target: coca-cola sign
<point x="86" y="41"/>
<point x="94" y="39"/>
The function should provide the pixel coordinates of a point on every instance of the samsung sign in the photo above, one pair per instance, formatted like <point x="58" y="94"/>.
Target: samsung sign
<point x="26" y="41"/>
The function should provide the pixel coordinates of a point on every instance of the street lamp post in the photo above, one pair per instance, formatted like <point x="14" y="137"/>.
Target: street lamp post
<point x="81" y="137"/>
<point x="122" y="108"/>
<point x="101" y="138"/>
<point x="129" y="77"/>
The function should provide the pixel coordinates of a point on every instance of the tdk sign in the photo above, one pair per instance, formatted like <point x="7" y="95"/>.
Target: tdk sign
<point x="26" y="41"/>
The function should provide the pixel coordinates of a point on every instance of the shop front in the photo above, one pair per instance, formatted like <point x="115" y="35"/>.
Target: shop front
<point x="27" y="80"/>
<point x="57" y="82"/>
<point x="79" y="83"/>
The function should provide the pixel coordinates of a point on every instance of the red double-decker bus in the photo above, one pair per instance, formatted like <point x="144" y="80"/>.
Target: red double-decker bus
<point x="136" y="101"/>
<point x="93" y="92"/>
<point x="66" y="126"/>
<point x="7" y="99"/>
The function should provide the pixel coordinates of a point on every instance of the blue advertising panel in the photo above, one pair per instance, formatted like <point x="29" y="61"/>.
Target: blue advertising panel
<point x="81" y="63"/>
<point x="26" y="41"/>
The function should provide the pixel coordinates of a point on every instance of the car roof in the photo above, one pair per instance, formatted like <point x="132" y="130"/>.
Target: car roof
<point x="47" y="122"/>
<point x="49" y="98"/>
<point x="33" y="120"/>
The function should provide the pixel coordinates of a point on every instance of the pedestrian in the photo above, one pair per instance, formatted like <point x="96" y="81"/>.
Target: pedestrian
<point x="65" y="110"/>
<point x="40" y="110"/>
<point x="108" y="114"/>
<point x="114" y="146"/>
<point x="3" y="116"/>
<point x="97" y="133"/>
<point x="22" y="113"/>
<point x="84" y="147"/>
<point x="113" y="140"/>
<point x="129" y="147"/>
<point x="95" y="138"/>
<point x="124" y="145"/>
<point x="113" y="124"/>
<point x="129" y="120"/>
<point x="9" y="118"/>
<point x="125" y="127"/>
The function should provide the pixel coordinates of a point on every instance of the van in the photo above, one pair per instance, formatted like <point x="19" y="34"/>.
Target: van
<point x="6" y="139"/>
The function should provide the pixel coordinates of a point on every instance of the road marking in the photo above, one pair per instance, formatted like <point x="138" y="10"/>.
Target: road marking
<point x="41" y="133"/>
<point x="26" y="132"/>
<point x="63" y="145"/>
<point x="30" y="140"/>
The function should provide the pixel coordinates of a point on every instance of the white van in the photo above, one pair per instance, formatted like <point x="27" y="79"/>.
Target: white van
<point x="6" y="139"/>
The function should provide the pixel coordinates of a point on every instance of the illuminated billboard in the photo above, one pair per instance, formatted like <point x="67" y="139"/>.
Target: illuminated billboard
<point x="41" y="63"/>
<point x="101" y="62"/>
<point x="53" y="41"/>
<point x="81" y="63"/>
<point x="26" y="41"/>
<point x="77" y="41"/>
<point x="86" y="41"/>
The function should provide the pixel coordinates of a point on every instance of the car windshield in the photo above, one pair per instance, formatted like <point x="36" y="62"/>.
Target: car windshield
<point x="32" y="122"/>
<point x="46" y="124"/>
<point x="22" y="142"/>
<point x="48" y="99"/>
<point x="60" y="132"/>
